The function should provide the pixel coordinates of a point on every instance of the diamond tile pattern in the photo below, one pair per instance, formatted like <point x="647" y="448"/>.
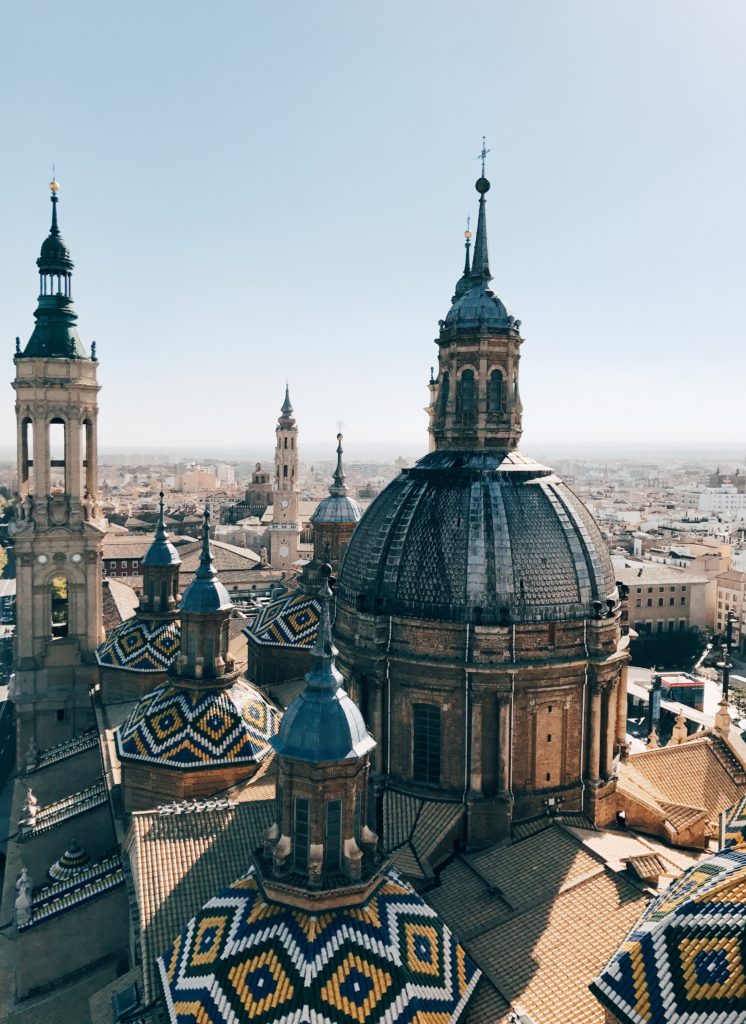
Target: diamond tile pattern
<point x="191" y="728"/>
<point x="390" y="960"/>
<point x="140" y="645"/>
<point x="685" y="960"/>
<point x="290" y="621"/>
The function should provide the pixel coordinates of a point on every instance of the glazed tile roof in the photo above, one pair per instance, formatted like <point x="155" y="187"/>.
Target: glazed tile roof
<point x="88" y="883"/>
<point x="389" y="961"/>
<point x="68" y="807"/>
<point x="68" y="748"/>
<point x="190" y="728"/>
<point x="290" y="621"/>
<point x="685" y="959"/>
<point x="733" y="832"/>
<point x="180" y="859"/>
<point x="72" y="862"/>
<point x="141" y="645"/>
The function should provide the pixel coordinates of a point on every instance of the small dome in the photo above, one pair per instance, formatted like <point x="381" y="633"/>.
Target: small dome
<point x="337" y="509"/>
<point x="71" y="863"/>
<point x="161" y="553"/>
<point x="322" y="726"/>
<point x="139" y="645"/>
<point x="478" y="306"/>
<point x="205" y="595"/>
<point x="486" y="537"/>
<point x="54" y="254"/>
<point x="199" y="728"/>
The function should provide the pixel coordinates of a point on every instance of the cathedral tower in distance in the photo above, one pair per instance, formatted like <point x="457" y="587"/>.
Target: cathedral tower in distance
<point x="58" y="529"/>
<point x="285" y="528"/>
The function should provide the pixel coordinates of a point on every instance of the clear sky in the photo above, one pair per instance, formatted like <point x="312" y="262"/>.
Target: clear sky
<point x="256" y="190"/>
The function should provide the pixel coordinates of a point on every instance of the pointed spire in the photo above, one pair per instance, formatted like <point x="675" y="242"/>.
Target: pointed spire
<point x="324" y="675"/>
<point x="338" y="487"/>
<point x="286" y="411"/>
<point x="206" y="570"/>
<point x="161" y="533"/>
<point x="480" y="266"/>
<point x="287" y="408"/>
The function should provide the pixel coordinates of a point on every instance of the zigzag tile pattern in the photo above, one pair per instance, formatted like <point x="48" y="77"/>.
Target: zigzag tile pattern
<point x="291" y="621"/>
<point x="686" y="958"/>
<point x="243" y="959"/>
<point x="139" y="645"/>
<point x="734" y="830"/>
<point x="185" y="728"/>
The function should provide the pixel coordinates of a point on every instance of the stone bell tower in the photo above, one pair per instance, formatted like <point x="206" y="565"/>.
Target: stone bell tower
<point x="58" y="529"/>
<point x="285" y="528"/>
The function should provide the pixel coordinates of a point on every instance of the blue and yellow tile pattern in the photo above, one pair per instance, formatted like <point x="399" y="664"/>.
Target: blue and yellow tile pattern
<point x="686" y="958"/>
<point x="390" y="960"/>
<point x="291" y="621"/>
<point x="141" y="646"/>
<point x="186" y="728"/>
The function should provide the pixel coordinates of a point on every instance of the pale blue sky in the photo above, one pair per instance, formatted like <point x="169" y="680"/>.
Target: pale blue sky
<point x="256" y="190"/>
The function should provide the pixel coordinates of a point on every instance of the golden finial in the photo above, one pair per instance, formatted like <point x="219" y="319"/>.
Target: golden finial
<point x="467" y="233"/>
<point x="54" y="186"/>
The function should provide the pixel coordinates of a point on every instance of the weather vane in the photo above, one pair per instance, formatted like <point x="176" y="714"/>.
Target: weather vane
<point x="483" y="155"/>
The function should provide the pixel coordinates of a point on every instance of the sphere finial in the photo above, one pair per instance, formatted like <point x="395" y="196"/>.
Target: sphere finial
<point x="54" y="186"/>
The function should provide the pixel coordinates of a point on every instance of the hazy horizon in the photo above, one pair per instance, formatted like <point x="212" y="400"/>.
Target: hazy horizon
<point x="252" y="193"/>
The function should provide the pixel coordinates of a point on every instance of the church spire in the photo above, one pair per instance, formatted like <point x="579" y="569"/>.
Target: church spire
<point x="286" y="410"/>
<point x="55" y="334"/>
<point x="480" y="267"/>
<point x="338" y="487"/>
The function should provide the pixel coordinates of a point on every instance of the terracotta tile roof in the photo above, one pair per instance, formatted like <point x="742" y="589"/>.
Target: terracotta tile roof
<point x="68" y="748"/>
<point x="701" y="777"/>
<point x="68" y="807"/>
<point x="541" y="960"/>
<point x="466" y="901"/>
<point x="414" y="828"/>
<point x="685" y="959"/>
<point x="537" y="868"/>
<point x="487" y="1006"/>
<point x="180" y="859"/>
<point x="389" y="961"/>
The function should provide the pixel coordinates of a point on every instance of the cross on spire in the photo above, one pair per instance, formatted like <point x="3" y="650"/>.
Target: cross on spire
<point x="483" y="155"/>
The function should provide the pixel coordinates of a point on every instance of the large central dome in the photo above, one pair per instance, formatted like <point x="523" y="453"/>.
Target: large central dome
<point x="482" y="537"/>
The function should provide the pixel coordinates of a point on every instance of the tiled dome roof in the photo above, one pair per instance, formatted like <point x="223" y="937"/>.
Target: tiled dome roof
<point x="390" y="960"/>
<point x="337" y="509"/>
<point x="71" y="863"/>
<point x="481" y="536"/>
<point x="141" y="645"/>
<point x="199" y="728"/>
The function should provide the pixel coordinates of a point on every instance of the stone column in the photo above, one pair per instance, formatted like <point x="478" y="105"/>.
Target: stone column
<point x="475" y="779"/>
<point x="610" y="728"/>
<point x="594" y="738"/>
<point x="621" y="711"/>
<point x="504" y="741"/>
<point x="373" y="699"/>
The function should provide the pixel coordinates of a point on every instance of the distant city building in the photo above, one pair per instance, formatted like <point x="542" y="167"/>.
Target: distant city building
<point x="731" y="594"/>
<point x="663" y="598"/>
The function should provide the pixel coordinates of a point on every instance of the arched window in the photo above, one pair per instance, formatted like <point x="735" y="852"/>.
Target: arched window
<point x="467" y="395"/>
<point x="284" y="470"/>
<point x="333" y="837"/>
<point x="60" y="607"/>
<point x="87" y="456"/>
<point x="443" y="395"/>
<point x="27" y="455"/>
<point x="286" y="442"/>
<point x="426" y="744"/>
<point x="57" y="468"/>
<point x="300" y="834"/>
<point x="496" y="391"/>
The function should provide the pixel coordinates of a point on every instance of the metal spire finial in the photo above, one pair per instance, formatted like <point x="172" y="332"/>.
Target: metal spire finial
<point x="161" y="534"/>
<point x="54" y="187"/>
<point x="206" y="569"/>
<point x="338" y="485"/>
<point x="483" y="154"/>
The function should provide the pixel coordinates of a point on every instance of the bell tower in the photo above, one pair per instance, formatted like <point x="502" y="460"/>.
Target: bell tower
<point x="58" y="529"/>
<point x="474" y="397"/>
<point x="285" y="528"/>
